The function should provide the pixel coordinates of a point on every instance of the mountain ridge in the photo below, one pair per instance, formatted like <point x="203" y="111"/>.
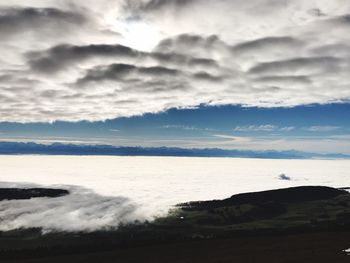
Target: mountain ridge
<point x="13" y="148"/>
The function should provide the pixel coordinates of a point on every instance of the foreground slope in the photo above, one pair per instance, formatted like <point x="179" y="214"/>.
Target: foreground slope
<point x="301" y="224"/>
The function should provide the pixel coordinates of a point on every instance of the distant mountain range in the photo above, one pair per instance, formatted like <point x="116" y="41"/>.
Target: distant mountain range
<point x="83" y="149"/>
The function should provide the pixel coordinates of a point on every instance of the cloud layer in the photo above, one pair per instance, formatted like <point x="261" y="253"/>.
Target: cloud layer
<point x="124" y="189"/>
<point x="81" y="210"/>
<point x="72" y="60"/>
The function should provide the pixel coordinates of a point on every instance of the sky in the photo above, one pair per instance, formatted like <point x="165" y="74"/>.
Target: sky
<point x="252" y="75"/>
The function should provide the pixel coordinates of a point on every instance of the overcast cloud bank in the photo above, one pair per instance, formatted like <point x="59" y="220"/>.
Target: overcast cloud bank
<point x="86" y="60"/>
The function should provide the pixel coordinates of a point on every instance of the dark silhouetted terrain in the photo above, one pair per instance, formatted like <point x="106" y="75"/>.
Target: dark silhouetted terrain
<point x="18" y="193"/>
<point x="300" y="224"/>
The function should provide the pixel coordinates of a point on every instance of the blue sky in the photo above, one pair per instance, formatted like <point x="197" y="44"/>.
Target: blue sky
<point x="316" y="128"/>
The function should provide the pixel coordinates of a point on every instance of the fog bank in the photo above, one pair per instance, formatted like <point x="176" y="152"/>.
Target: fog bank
<point x="107" y="191"/>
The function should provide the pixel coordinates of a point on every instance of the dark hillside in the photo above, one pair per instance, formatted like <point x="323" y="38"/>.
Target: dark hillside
<point x="18" y="193"/>
<point x="288" y="195"/>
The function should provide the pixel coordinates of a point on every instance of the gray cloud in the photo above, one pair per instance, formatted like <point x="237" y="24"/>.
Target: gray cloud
<point x="208" y="77"/>
<point x="205" y="47"/>
<point x="310" y="65"/>
<point x="64" y="56"/>
<point x="20" y="20"/>
<point x="322" y="128"/>
<point x="122" y="72"/>
<point x="73" y="60"/>
<point x="341" y="20"/>
<point x="158" y="71"/>
<point x="281" y="80"/>
<point x="186" y="41"/>
<point x="338" y="49"/>
<point x="156" y="5"/>
<point x="268" y="42"/>
<point x="59" y="57"/>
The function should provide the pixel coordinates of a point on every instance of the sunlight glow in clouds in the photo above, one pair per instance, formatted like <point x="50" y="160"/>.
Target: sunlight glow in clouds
<point x="139" y="35"/>
<point x="87" y="60"/>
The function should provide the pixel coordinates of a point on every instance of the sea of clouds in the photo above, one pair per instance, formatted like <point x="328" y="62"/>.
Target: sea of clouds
<point x="108" y="191"/>
<point x="81" y="210"/>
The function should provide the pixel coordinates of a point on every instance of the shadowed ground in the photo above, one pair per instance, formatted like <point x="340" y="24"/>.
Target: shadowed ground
<point x="300" y="224"/>
<point x="317" y="247"/>
<point x="19" y="194"/>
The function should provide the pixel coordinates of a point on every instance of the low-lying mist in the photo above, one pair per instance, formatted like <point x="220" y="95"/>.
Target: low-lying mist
<point x="80" y="210"/>
<point x="108" y="191"/>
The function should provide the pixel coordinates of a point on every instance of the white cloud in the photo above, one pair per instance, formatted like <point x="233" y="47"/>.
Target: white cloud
<point x="330" y="144"/>
<point x="185" y="127"/>
<point x="254" y="128"/>
<point x="287" y="129"/>
<point x="82" y="60"/>
<point x="114" y="130"/>
<point x="182" y="127"/>
<point x="263" y="128"/>
<point x="81" y="210"/>
<point x="149" y="193"/>
<point x="322" y="128"/>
